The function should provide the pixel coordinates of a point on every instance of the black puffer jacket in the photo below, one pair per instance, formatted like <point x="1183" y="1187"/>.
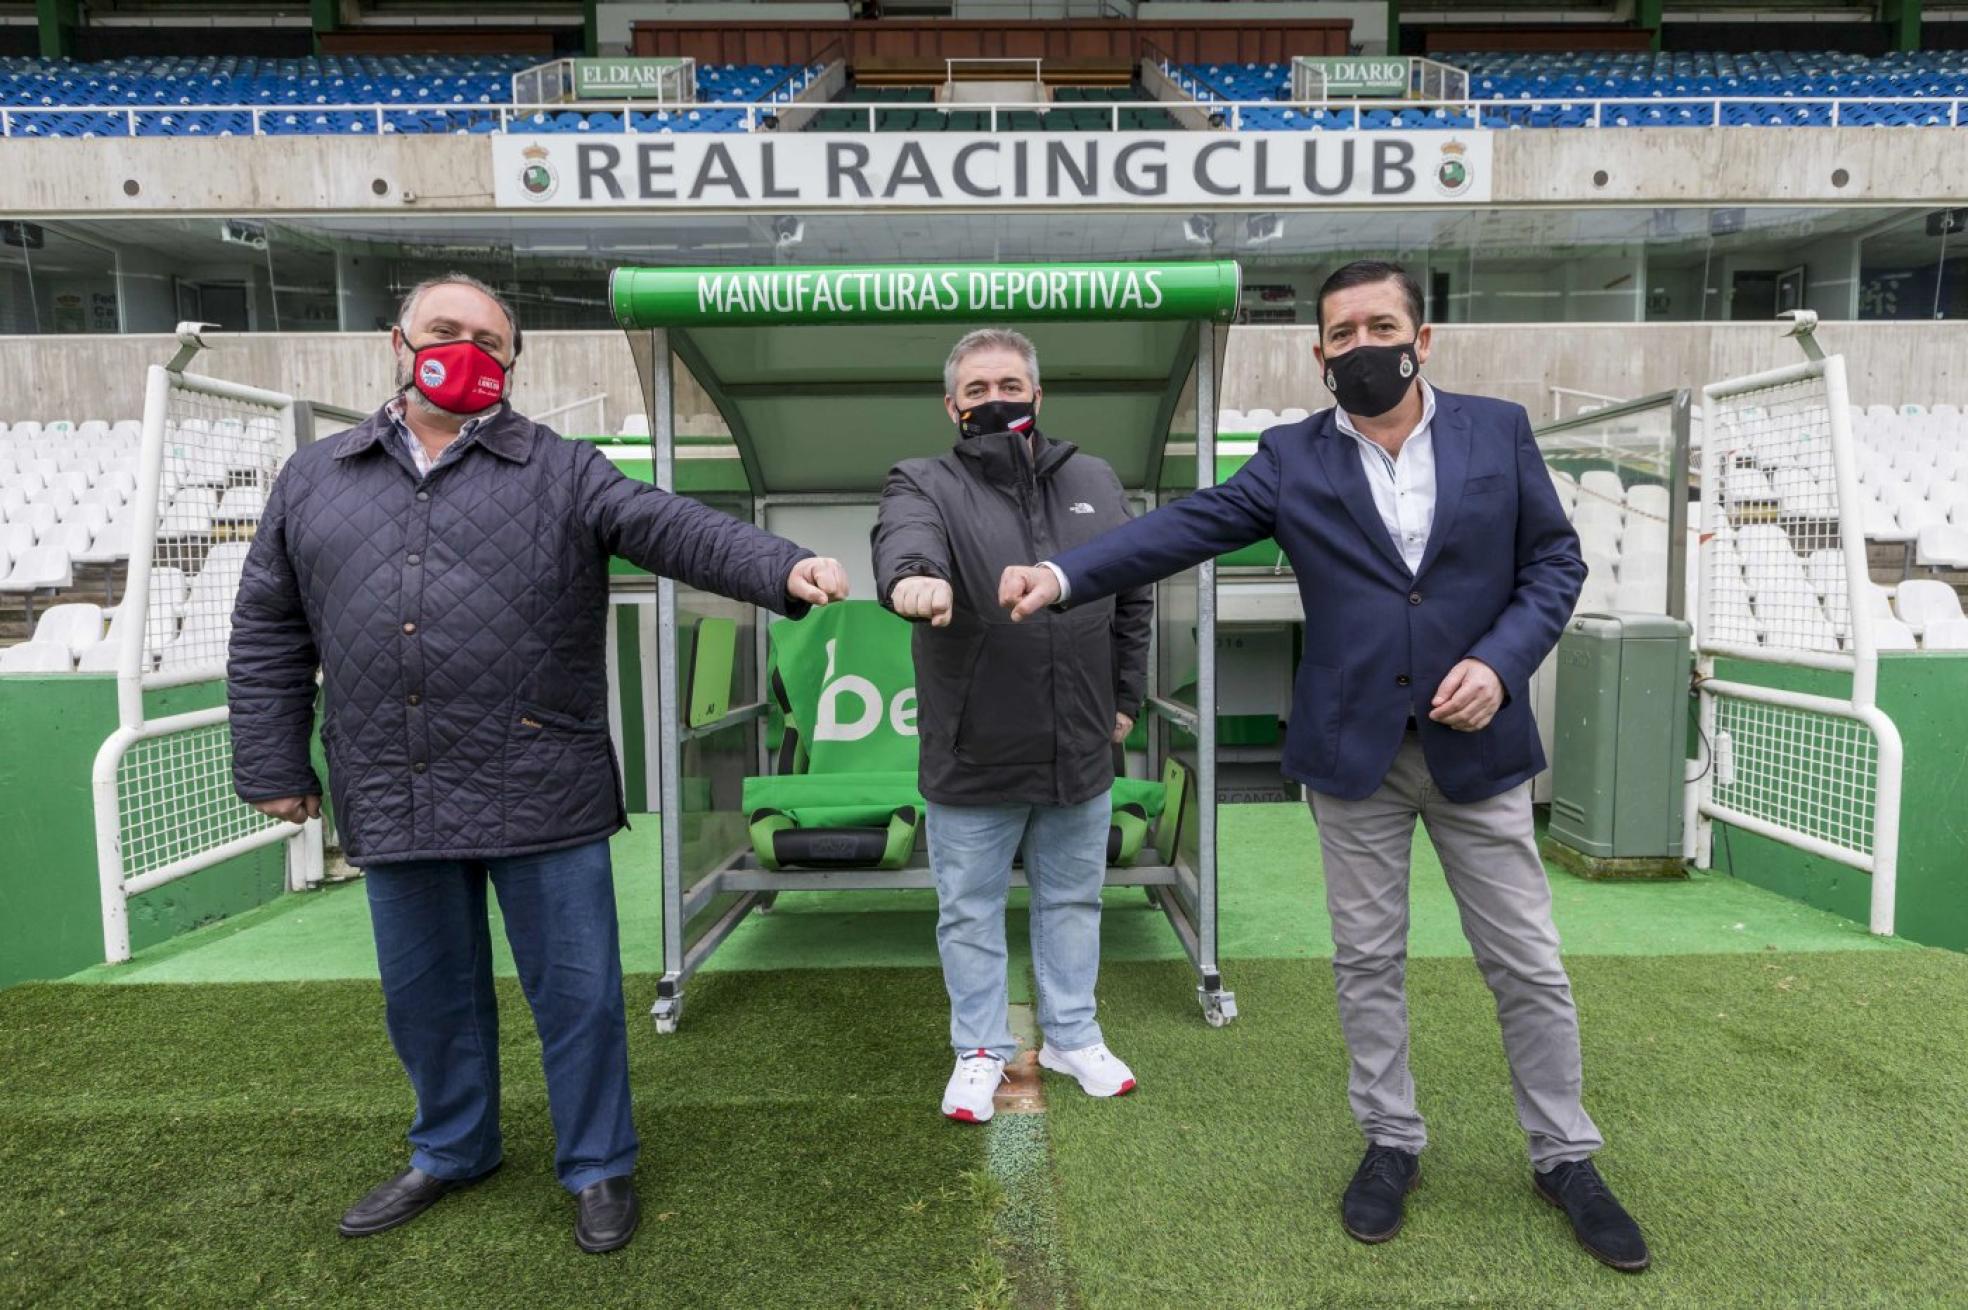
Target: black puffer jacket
<point x="1012" y="712"/>
<point x="458" y="622"/>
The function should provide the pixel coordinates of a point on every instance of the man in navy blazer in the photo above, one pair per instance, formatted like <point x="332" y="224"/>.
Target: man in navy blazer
<point x="1437" y="570"/>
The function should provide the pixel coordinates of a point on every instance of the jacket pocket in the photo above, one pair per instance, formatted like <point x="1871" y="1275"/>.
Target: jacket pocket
<point x="559" y="777"/>
<point x="1318" y="695"/>
<point x="1508" y="741"/>
<point x="1007" y="715"/>
<point x="531" y="718"/>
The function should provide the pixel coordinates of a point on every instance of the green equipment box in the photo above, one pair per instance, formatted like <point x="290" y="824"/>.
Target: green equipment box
<point x="1619" y="752"/>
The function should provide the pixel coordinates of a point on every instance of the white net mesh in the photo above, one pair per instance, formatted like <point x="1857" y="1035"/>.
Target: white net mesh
<point x="1806" y="772"/>
<point x="1775" y="566"/>
<point x="220" y="455"/>
<point x="175" y="799"/>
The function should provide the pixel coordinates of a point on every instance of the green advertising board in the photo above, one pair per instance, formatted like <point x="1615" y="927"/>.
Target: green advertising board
<point x="679" y="297"/>
<point x="1382" y="77"/>
<point x="627" y="79"/>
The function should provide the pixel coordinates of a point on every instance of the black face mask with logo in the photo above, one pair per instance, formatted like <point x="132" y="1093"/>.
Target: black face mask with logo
<point x="996" y="416"/>
<point x="1370" y="380"/>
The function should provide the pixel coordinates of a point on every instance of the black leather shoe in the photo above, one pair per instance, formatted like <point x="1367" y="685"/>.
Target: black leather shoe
<point x="400" y="1200"/>
<point x="1603" y="1226"/>
<point x="605" y="1215"/>
<point x="1371" y="1210"/>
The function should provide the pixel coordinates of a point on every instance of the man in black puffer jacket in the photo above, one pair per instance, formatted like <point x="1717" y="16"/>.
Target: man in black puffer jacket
<point x="1018" y="727"/>
<point x="445" y="564"/>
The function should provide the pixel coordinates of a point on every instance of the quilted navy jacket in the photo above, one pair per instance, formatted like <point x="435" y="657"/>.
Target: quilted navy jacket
<point x="458" y="622"/>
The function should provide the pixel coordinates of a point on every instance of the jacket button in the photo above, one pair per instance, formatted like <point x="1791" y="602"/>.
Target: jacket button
<point x="409" y="628"/>
<point x="418" y="767"/>
<point x="415" y="699"/>
<point x="423" y="495"/>
<point x="1414" y="598"/>
<point x="416" y="559"/>
<point x="1401" y="680"/>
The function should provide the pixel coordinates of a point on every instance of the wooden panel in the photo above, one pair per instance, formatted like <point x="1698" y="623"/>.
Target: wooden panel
<point x="438" y="41"/>
<point x="1441" y="40"/>
<point x="1193" y="41"/>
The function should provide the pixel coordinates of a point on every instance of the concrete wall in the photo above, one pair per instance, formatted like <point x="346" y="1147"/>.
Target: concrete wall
<point x="437" y="175"/>
<point x="1269" y="367"/>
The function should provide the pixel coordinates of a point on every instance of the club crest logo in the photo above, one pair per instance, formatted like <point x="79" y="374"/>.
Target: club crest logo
<point x="1332" y="380"/>
<point x="1407" y="366"/>
<point x="537" y="178"/>
<point x="1452" y="173"/>
<point x="430" y="373"/>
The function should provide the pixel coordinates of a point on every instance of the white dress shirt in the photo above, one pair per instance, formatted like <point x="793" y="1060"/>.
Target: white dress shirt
<point x="418" y="455"/>
<point x="1403" y="486"/>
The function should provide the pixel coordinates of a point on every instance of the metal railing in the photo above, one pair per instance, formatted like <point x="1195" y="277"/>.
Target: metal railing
<point x="620" y="117"/>
<point x="1588" y="401"/>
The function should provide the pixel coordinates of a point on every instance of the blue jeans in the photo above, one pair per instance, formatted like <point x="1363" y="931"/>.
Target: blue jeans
<point x="970" y="850"/>
<point x="434" y="946"/>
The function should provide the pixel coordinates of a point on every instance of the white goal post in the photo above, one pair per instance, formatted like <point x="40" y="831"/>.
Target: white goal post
<point x="1784" y="582"/>
<point x="164" y="802"/>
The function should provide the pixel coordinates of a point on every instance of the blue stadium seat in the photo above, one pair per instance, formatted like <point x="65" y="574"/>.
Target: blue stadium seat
<point x="325" y="93"/>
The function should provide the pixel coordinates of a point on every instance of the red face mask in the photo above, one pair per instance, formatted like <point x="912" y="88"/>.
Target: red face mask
<point x="460" y="376"/>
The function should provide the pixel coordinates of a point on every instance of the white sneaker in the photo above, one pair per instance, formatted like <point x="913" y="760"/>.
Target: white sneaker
<point x="1098" y="1070"/>
<point x="971" y="1095"/>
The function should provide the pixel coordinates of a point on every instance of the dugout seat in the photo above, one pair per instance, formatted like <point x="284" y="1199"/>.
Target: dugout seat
<point x="843" y="791"/>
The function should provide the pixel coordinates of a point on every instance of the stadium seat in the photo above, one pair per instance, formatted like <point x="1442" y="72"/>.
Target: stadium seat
<point x="1947" y="634"/>
<point x="845" y="797"/>
<point x="1942" y="545"/>
<point x="1891" y="634"/>
<point x="1923" y="601"/>
<point x="38" y="569"/>
<point x="73" y="626"/>
<point x="36" y="657"/>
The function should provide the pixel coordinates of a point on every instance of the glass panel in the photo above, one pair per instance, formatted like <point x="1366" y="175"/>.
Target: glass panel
<point x="1476" y="266"/>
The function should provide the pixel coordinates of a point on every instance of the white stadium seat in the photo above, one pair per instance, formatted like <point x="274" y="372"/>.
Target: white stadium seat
<point x="240" y="505"/>
<point x="15" y="540"/>
<point x="36" y="657"/>
<point x="1604" y="484"/>
<point x="1942" y="545"/>
<point x="40" y="568"/>
<point x="1921" y="601"/>
<point x="1948" y="634"/>
<point x="1891" y="634"/>
<point x="77" y="627"/>
<point x="635" y="425"/>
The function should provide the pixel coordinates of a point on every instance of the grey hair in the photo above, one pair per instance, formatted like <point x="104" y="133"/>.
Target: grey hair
<point x="408" y="305"/>
<point x="990" y="339"/>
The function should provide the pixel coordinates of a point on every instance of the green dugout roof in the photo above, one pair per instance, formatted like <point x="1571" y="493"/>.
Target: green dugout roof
<point x="829" y="376"/>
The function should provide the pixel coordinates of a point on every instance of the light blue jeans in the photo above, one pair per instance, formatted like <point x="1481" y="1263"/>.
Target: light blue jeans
<point x="970" y="850"/>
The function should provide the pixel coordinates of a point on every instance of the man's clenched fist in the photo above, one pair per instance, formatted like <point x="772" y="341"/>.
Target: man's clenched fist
<point x="294" y="809"/>
<point x="923" y="598"/>
<point x="1027" y="589"/>
<point x="816" y="581"/>
<point x="1469" y="697"/>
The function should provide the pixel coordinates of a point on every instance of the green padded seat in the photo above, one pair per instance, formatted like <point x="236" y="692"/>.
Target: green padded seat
<point x="843" y="794"/>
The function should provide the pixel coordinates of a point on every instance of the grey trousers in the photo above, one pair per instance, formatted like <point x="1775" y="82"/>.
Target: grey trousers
<point x="1489" y="852"/>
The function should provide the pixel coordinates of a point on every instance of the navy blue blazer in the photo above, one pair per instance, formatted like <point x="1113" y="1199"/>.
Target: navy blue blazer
<point x="1498" y="582"/>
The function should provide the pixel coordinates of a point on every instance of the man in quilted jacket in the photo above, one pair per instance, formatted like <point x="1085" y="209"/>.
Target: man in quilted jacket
<point x="444" y="564"/>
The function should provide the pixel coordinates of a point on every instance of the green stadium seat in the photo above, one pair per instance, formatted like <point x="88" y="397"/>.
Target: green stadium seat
<point x="844" y="791"/>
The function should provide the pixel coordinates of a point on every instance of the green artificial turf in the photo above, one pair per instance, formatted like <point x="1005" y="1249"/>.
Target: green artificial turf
<point x="1272" y="897"/>
<point x="1790" y="1129"/>
<point x="194" y="1146"/>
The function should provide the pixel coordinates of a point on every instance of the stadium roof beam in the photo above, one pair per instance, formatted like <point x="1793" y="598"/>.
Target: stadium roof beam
<point x="57" y="20"/>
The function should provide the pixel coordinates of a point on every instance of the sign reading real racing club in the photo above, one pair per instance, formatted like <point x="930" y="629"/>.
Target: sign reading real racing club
<point x="991" y="170"/>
